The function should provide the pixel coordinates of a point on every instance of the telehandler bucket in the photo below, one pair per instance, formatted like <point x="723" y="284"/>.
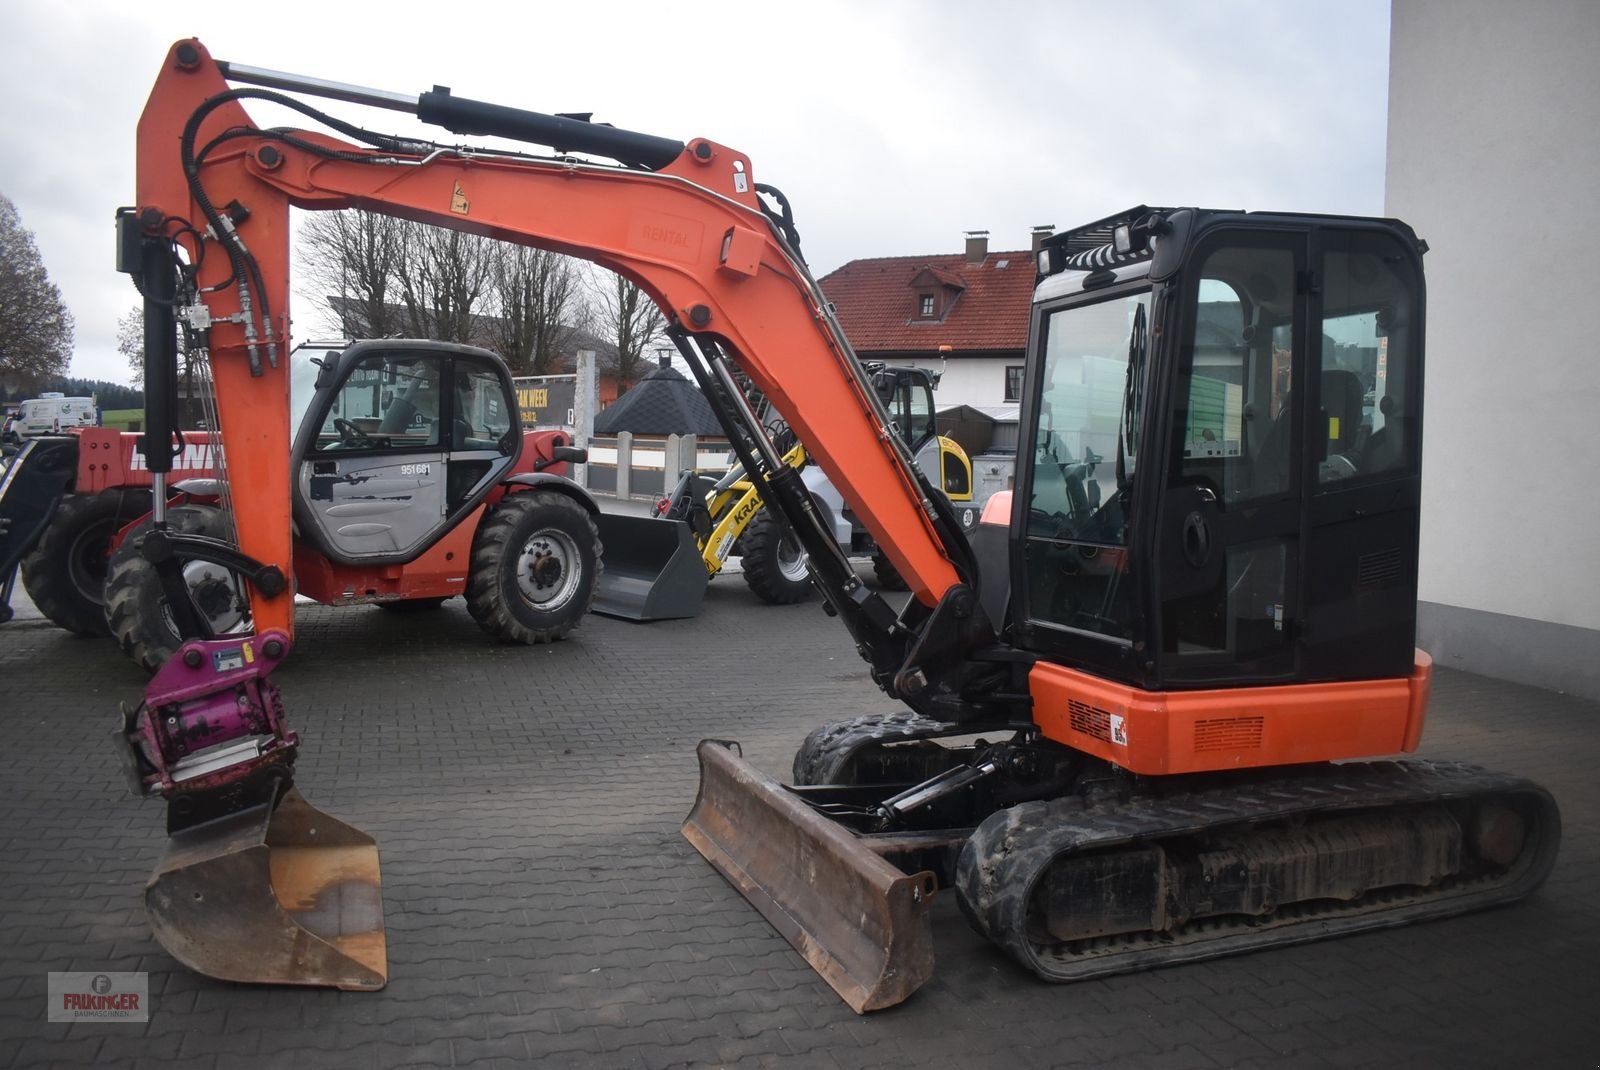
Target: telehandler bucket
<point x="274" y="895"/>
<point x="860" y="922"/>
<point x="653" y="570"/>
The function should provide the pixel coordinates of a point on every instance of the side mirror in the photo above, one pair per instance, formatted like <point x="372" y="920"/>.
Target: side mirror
<point x="570" y="454"/>
<point x="884" y="384"/>
<point x="326" y="369"/>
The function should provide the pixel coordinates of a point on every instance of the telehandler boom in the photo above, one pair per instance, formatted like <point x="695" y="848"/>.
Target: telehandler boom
<point x="1200" y="604"/>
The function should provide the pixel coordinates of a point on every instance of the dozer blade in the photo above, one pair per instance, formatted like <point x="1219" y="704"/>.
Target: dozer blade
<point x="653" y="570"/>
<point x="283" y="895"/>
<point x="860" y="922"/>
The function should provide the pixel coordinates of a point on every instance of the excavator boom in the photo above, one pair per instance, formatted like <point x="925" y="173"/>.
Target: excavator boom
<point x="208" y="244"/>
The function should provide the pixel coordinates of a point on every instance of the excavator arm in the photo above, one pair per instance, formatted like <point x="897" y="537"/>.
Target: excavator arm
<point x="208" y="245"/>
<point x="682" y="221"/>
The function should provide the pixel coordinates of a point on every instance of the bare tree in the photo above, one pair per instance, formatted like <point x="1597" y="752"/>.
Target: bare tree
<point x="441" y="276"/>
<point x="537" y="302"/>
<point x="35" y="327"/>
<point x="352" y="257"/>
<point x="629" y="318"/>
<point x="130" y="342"/>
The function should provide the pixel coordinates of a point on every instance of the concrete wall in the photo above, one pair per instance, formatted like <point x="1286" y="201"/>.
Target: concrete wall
<point x="1493" y="156"/>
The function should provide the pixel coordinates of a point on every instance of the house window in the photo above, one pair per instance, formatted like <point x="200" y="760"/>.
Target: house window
<point x="1013" y="382"/>
<point x="927" y="304"/>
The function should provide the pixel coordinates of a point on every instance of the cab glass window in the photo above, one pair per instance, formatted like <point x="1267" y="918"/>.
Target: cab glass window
<point x="387" y="401"/>
<point x="1084" y="461"/>
<point x="1088" y="418"/>
<point x="1365" y="360"/>
<point x="1233" y="397"/>
<point x="482" y="412"/>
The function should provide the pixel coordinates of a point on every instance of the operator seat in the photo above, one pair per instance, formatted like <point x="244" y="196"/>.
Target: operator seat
<point x="1386" y="449"/>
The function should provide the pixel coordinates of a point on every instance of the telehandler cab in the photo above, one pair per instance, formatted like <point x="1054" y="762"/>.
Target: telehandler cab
<point x="1171" y="681"/>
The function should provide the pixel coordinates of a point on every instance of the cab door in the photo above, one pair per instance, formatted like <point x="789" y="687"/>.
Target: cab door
<point x="1364" y="456"/>
<point x="398" y="444"/>
<point x="1229" y="527"/>
<point x="1287" y="533"/>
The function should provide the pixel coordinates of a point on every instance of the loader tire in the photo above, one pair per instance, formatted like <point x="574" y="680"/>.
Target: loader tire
<point x="774" y="565"/>
<point x="412" y="605"/>
<point x="65" y="573"/>
<point x="136" y="606"/>
<point x="535" y="568"/>
<point x="889" y="577"/>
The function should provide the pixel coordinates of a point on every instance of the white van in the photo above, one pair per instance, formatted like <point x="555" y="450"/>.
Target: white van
<point x="53" y="413"/>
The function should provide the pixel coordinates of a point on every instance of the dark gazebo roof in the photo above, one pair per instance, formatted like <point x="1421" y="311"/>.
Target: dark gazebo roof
<point x="664" y="402"/>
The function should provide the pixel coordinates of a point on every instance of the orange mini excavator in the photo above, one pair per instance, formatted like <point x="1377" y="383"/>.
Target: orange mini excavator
<point x="1139" y="698"/>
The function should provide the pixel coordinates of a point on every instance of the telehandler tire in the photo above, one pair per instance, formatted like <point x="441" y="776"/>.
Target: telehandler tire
<point x="535" y="568"/>
<point x="889" y="577"/>
<point x="136" y="606"/>
<point x="774" y="567"/>
<point x="65" y="574"/>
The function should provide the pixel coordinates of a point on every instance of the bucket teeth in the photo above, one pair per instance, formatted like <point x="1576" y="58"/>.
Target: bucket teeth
<point x="860" y="922"/>
<point x="279" y="894"/>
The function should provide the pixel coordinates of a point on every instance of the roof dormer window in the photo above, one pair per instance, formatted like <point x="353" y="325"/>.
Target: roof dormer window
<point x="925" y="303"/>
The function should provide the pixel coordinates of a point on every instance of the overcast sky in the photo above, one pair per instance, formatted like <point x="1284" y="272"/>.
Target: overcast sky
<point x="893" y="127"/>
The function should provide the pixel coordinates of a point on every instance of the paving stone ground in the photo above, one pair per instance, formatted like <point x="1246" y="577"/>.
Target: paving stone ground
<point x="543" y="909"/>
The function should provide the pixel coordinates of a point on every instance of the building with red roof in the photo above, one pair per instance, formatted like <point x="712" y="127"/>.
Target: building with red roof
<point x="963" y="313"/>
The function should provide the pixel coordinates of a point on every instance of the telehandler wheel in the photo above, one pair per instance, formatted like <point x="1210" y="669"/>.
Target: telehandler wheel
<point x="774" y="565"/>
<point x="412" y="605"/>
<point x="535" y="568"/>
<point x="136" y="606"/>
<point x="65" y="574"/>
<point x="889" y="577"/>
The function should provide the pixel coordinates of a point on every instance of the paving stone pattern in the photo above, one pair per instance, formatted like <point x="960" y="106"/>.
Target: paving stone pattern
<point x="543" y="909"/>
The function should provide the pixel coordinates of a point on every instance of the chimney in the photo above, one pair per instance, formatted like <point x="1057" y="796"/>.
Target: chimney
<point x="977" y="246"/>
<point x="1040" y="233"/>
<point x="664" y="358"/>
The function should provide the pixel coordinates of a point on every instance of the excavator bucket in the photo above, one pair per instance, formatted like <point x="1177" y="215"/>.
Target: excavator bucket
<point x="653" y="570"/>
<point x="860" y="922"/>
<point x="274" y="895"/>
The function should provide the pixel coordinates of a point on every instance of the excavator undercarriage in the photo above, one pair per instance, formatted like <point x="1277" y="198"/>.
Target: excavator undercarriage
<point x="1080" y="870"/>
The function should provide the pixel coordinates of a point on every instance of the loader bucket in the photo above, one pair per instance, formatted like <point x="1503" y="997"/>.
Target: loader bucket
<point x="860" y="922"/>
<point x="273" y="895"/>
<point x="653" y="570"/>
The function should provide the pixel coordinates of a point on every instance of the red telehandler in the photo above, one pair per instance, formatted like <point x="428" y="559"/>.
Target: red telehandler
<point x="1174" y="651"/>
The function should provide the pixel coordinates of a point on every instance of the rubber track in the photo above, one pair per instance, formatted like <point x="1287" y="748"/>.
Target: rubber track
<point x="828" y="749"/>
<point x="1005" y="857"/>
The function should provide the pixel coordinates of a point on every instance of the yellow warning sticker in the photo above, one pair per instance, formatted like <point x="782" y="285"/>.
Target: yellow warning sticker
<point x="1333" y="427"/>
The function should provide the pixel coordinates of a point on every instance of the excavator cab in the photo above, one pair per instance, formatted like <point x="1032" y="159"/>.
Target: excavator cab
<point x="1206" y="480"/>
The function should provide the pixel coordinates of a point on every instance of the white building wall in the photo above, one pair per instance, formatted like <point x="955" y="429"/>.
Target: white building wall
<point x="967" y="380"/>
<point x="1494" y="158"/>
